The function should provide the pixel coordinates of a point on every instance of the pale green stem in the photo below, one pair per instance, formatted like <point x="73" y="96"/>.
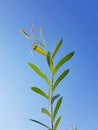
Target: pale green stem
<point x="51" y="107"/>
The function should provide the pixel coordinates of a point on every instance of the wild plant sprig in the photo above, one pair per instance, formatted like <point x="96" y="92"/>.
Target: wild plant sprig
<point x="51" y="97"/>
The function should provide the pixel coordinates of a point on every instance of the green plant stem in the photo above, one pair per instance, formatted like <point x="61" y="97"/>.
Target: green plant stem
<point x="51" y="107"/>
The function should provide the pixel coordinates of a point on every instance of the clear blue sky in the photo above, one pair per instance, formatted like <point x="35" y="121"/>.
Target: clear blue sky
<point x="77" y="23"/>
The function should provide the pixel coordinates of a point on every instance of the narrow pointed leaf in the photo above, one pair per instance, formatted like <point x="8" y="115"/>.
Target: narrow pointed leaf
<point x="57" y="123"/>
<point x="49" y="61"/>
<point x="40" y="123"/>
<point x="57" y="108"/>
<point x="39" y="50"/>
<point x="45" y="111"/>
<point x="60" y="78"/>
<point x="57" y="48"/>
<point x="63" y="60"/>
<point x="25" y="34"/>
<point x="36" y="69"/>
<point x="39" y="91"/>
<point x="48" y="58"/>
<point x="47" y="80"/>
<point x="54" y="98"/>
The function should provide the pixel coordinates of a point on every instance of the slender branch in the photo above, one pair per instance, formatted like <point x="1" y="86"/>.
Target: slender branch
<point x="51" y="103"/>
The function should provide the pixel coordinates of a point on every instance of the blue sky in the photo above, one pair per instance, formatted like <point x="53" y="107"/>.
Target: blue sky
<point x="74" y="21"/>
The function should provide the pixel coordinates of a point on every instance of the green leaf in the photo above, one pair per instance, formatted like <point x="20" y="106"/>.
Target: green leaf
<point x="62" y="61"/>
<point x="25" y="34"/>
<point x="54" y="98"/>
<point x="49" y="61"/>
<point x="47" y="80"/>
<point x="45" y="111"/>
<point x="39" y="123"/>
<point x="36" y="69"/>
<point x="57" y="123"/>
<point x="39" y="50"/>
<point x="57" y="48"/>
<point x="39" y="91"/>
<point x="60" y="79"/>
<point x="48" y="58"/>
<point x="57" y="108"/>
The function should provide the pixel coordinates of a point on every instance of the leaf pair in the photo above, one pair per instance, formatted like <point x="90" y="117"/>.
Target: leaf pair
<point x="63" y="60"/>
<point x="45" y="111"/>
<point x="50" y="58"/>
<point x="55" y="126"/>
<point x="42" y="93"/>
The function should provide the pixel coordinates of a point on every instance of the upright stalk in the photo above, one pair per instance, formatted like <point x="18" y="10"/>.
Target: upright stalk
<point x="40" y="47"/>
<point x="51" y="107"/>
